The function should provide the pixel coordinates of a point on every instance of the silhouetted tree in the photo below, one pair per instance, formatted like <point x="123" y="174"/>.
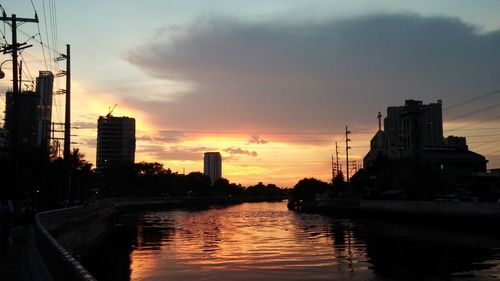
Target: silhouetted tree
<point x="198" y="183"/>
<point x="270" y="191"/>
<point x="306" y="188"/>
<point x="222" y="186"/>
<point x="339" y="183"/>
<point x="119" y="179"/>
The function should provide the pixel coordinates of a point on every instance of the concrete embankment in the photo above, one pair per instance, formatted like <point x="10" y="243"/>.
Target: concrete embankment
<point x="58" y="234"/>
<point x="59" y="237"/>
<point x="444" y="209"/>
<point x="435" y="210"/>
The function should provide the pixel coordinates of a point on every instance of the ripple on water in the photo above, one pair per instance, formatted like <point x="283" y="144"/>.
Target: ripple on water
<point x="265" y="241"/>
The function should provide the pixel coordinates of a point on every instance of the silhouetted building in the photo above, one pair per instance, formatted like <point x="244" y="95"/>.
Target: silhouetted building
<point x="457" y="142"/>
<point x="115" y="141"/>
<point x="414" y="132"/>
<point x="4" y="142"/>
<point x="213" y="166"/>
<point x="44" y="86"/>
<point x="30" y="118"/>
<point x="403" y="122"/>
<point x="21" y="118"/>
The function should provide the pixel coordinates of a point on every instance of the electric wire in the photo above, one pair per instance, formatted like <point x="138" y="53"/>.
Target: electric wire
<point x="484" y="120"/>
<point x="473" y="99"/>
<point x="46" y="31"/>
<point x="474" y="112"/>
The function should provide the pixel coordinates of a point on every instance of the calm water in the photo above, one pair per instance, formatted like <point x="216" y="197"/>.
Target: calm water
<point x="265" y="241"/>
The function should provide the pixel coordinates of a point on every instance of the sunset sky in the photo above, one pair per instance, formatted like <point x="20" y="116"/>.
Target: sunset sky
<point x="270" y="84"/>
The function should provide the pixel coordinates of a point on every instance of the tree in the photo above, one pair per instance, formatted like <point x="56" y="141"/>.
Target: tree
<point x="338" y="182"/>
<point x="198" y="183"/>
<point x="150" y="169"/>
<point x="307" y="188"/>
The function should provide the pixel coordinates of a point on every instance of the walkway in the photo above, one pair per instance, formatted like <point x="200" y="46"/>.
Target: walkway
<point x="12" y="265"/>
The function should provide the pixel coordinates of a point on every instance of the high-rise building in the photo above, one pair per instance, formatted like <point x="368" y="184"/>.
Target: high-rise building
<point x="30" y="119"/>
<point x="4" y="142"/>
<point x="213" y="166"/>
<point x="427" y="120"/>
<point x="115" y="141"/>
<point x="44" y="86"/>
<point x="21" y="117"/>
<point x="414" y="133"/>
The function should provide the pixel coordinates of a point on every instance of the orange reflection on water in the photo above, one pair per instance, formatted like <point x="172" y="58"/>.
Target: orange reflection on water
<point x="244" y="241"/>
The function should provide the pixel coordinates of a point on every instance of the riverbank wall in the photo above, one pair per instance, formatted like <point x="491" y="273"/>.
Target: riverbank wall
<point x="433" y="208"/>
<point x="60" y="237"/>
<point x="430" y="211"/>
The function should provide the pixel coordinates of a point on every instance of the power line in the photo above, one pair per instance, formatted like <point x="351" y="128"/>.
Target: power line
<point x="484" y="135"/>
<point x="474" y="112"/>
<point x="40" y="35"/>
<point x="46" y="31"/>
<point x="476" y="122"/>
<point x="472" y="100"/>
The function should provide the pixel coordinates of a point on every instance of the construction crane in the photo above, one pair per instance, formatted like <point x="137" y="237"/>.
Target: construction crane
<point x="111" y="110"/>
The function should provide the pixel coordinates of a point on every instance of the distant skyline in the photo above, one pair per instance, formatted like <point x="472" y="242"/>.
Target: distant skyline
<point x="269" y="84"/>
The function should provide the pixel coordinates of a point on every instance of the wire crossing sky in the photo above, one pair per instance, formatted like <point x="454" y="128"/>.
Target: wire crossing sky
<point x="270" y="84"/>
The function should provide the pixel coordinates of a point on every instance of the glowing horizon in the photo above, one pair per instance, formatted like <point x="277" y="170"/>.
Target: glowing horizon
<point x="272" y="86"/>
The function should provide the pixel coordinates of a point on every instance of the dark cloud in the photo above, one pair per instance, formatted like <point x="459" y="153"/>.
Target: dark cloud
<point x="84" y="125"/>
<point x="316" y="75"/>
<point x="161" y="137"/>
<point x="240" y="151"/>
<point x="255" y="139"/>
<point x="160" y="153"/>
<point x="92" y="142"/>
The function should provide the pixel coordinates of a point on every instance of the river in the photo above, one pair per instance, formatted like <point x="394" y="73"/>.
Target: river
<point x="265" y="241"/>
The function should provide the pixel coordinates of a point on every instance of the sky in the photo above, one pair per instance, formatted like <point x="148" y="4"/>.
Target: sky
<point x="270" y="84"/>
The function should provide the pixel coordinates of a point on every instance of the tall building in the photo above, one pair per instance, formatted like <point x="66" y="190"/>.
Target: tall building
<point x="414" y="132"/>
<point x="427" y="120"/>
<point x="30" y="119"/>
<point x="4" y="142"/>
<point x="115" y="141"/>
<point x="44" y="86"/>
<point x="21" y="117"/>
<point x="213" y="166"/>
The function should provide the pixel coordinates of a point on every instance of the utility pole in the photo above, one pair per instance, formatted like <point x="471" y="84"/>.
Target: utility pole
<point x="67" y="117"/>
<point x="14" y="48"/>
<point x="337" y="157"/>
<point x="67" y="109"/>
<point x="347" y="147"/>
<point x="333" y="170"/>
<point x="15" y="141"/>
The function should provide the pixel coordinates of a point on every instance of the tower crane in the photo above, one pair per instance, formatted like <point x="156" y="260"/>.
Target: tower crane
<point x="111" y="110"/>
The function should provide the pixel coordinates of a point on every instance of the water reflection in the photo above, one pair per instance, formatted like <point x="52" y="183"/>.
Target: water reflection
<point x="265" y="241"/>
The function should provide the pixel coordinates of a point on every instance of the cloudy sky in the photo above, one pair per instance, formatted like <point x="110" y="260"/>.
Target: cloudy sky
<point x="269" y="84"/>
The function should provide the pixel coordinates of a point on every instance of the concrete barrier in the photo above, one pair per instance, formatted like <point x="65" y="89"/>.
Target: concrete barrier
<point x="58" y="260"/>
<point x="59" y="234"/>
<point x="436" y="208"/>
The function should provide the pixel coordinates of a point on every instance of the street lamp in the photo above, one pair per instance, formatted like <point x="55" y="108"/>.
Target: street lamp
<point x="2" y="74"/>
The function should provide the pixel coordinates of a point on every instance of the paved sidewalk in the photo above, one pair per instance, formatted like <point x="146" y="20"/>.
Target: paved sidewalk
<point x="12" y="265"/>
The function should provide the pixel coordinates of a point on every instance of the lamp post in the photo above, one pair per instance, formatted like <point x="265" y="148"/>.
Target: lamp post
<point x="2" y="74"/>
